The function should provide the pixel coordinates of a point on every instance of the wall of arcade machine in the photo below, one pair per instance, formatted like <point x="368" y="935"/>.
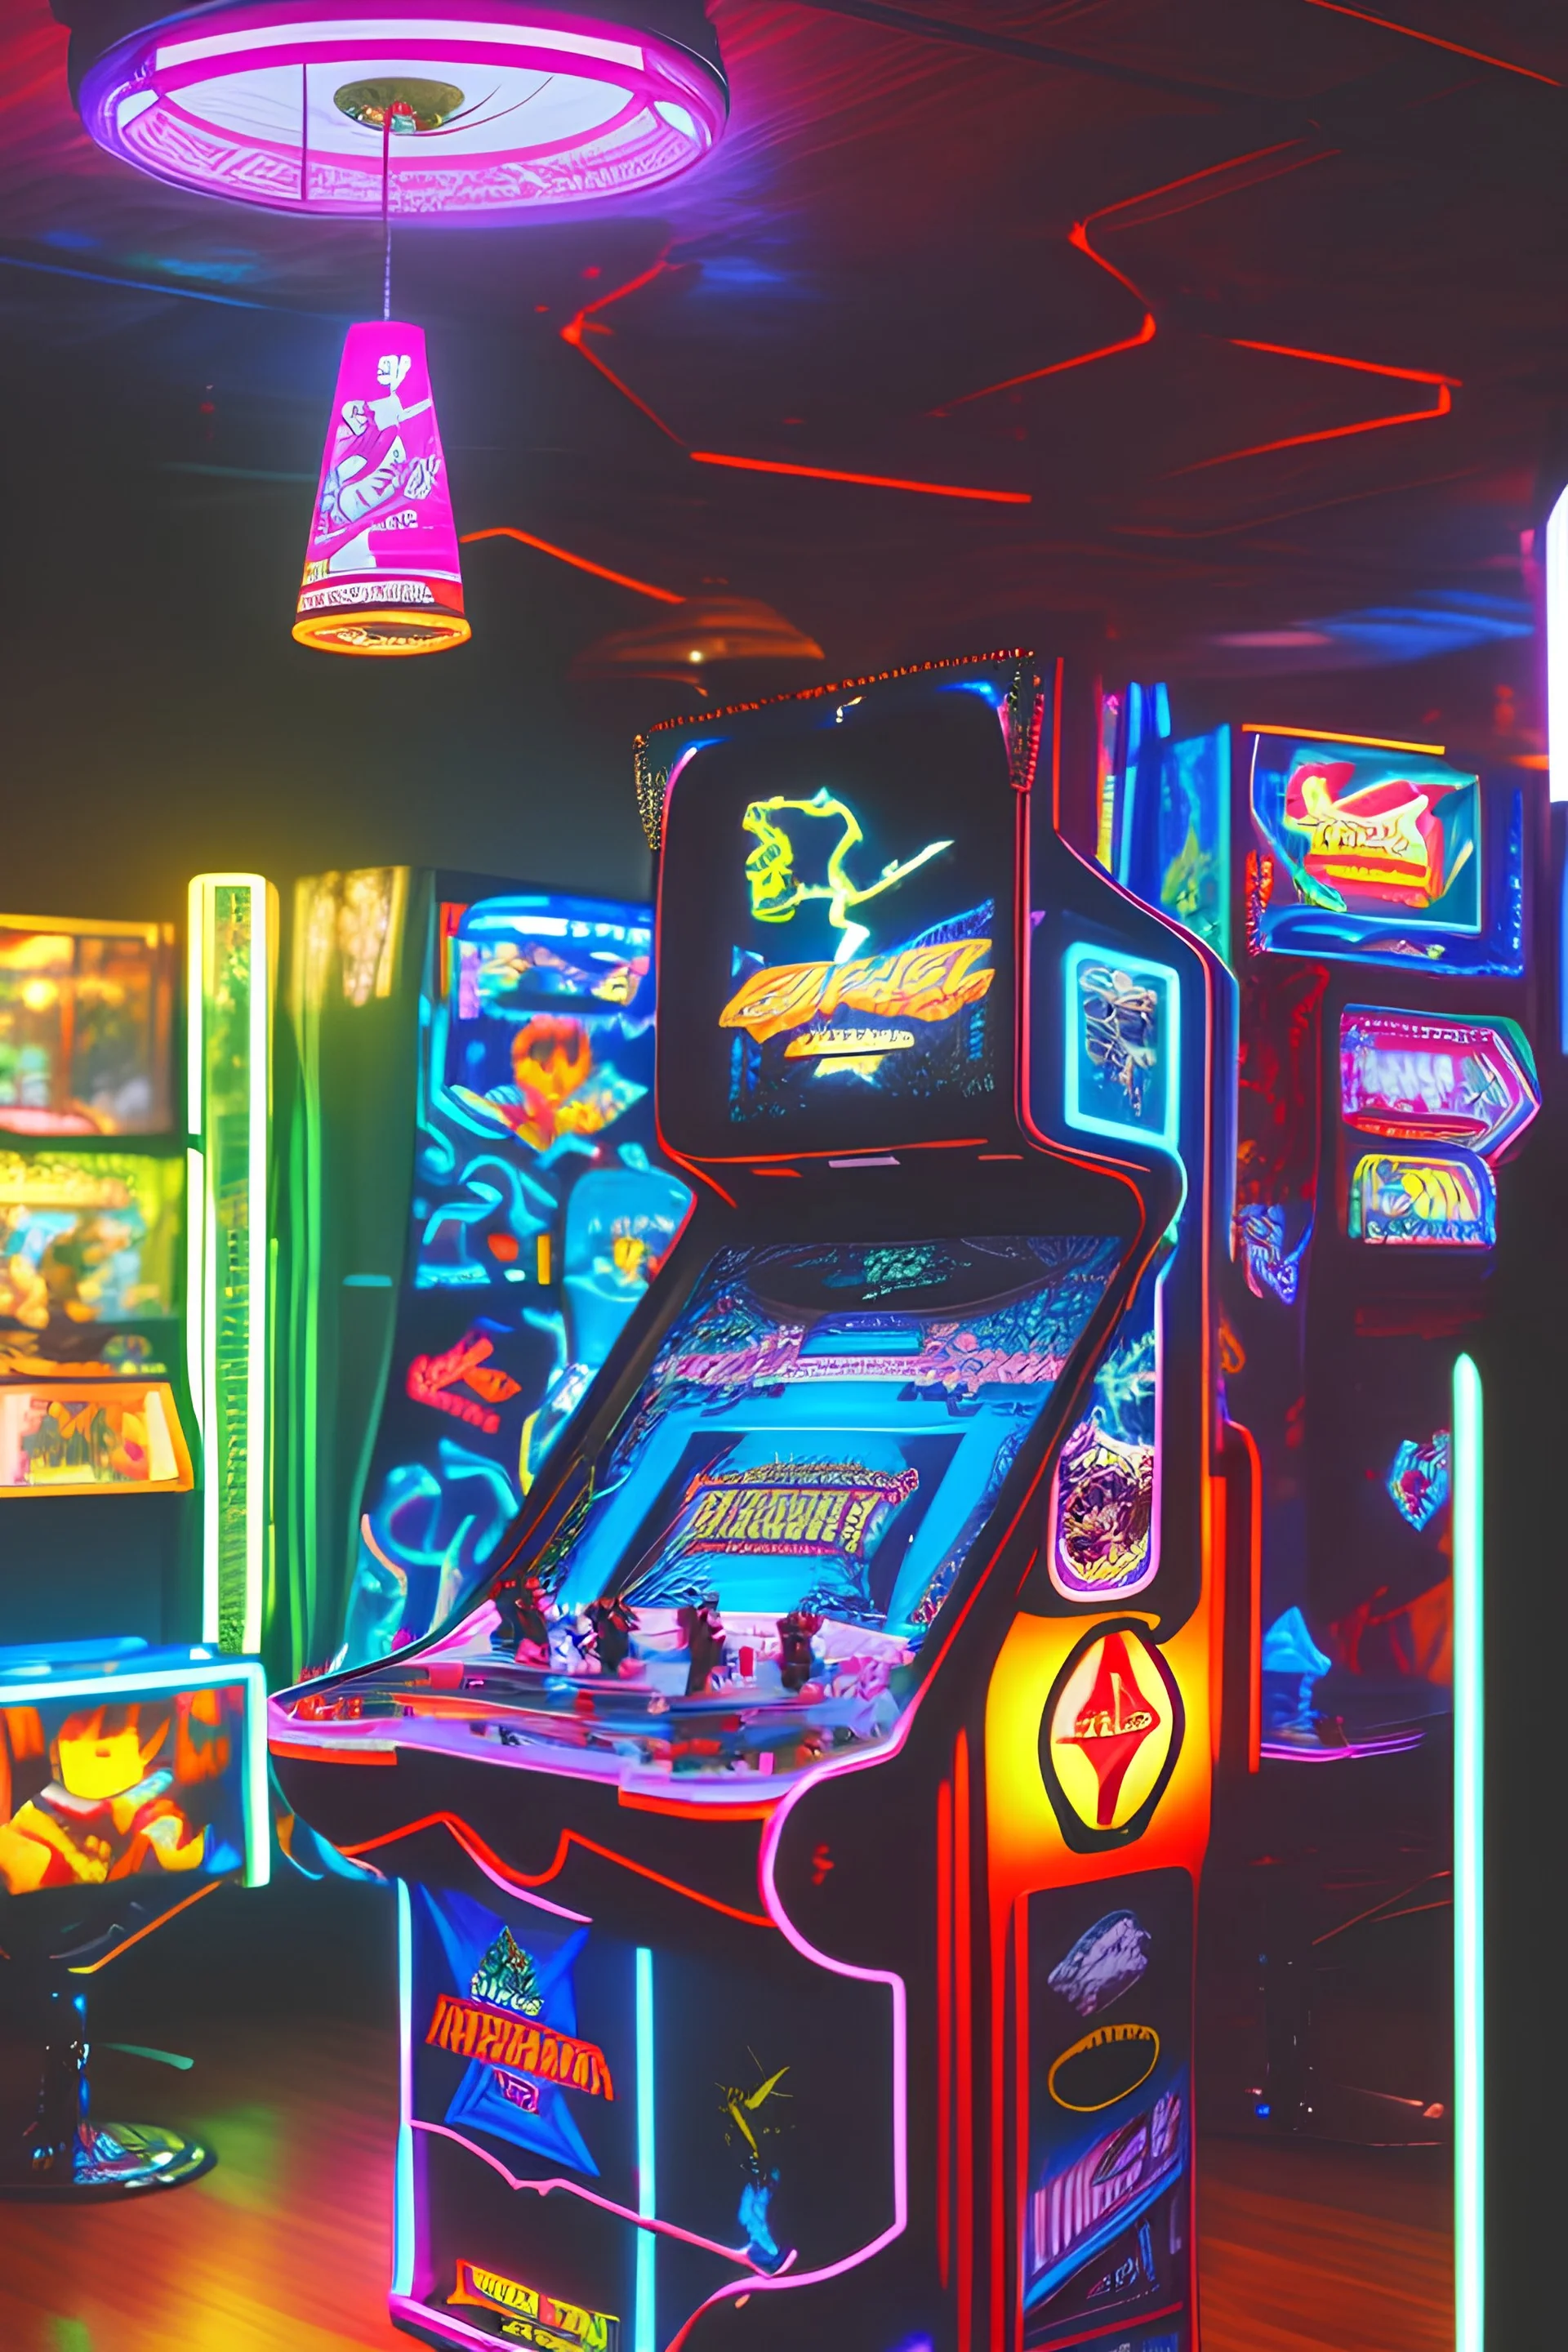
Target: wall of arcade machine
<point x="337" y="1320"/>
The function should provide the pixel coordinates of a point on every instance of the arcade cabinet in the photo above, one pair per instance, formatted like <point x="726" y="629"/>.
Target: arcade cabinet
<point x="797" y="1839"/>
<point x="474" y="1205"/>
<point x="133" y="1335"/>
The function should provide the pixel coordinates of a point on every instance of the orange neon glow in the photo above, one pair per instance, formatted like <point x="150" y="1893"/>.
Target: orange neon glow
<point x="1432" y="41"/>
<point x="687" y="1809"/>
<point x="1333" y="359"/>
<point x="91" y="1968"/>
<point x="919" y="983"/>
<point x="866" y="481"/>
<point x="474" y="1845"/>
<point x="578" y="563"/>
<point x="577" y="331"/>
<point x="1444" y="402"/>
<point x="384" y="636"/>
<point x="1325" y="735"/>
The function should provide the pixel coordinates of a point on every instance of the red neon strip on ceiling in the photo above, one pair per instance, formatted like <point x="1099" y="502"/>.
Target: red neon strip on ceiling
<point x="576" y="330"/>
<point x="866" y="481"/>
<point x="1333" y="359"/>
<point x="578" y="563"/>
<point x="1079" y="235"/>
<point x="1059" y="367"/>
<point x="1455" y="48"/>
<point x="1329" y="432"/>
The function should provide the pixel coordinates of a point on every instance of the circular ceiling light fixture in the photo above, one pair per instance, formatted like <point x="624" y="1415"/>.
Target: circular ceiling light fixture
<point x="283" y="105"/>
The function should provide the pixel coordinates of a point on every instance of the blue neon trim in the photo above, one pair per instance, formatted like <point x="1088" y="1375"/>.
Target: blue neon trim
<point x="1088" y="1122"/>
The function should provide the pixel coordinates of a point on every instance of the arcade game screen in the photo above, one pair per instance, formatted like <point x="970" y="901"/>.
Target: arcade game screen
<point x="747" y="1577"/>
<point x="85" y="1011"/>
<point x="854" y="935"/>
<point x="93" y="1788"/>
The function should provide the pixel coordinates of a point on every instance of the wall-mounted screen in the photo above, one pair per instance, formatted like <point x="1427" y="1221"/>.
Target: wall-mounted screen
<point x="842" y="896"/>
<point x="88" y="1245"/>
<point x="85" y="1012"/>
<point x="131" y="1777"/>
<point x="1381" y="856"/>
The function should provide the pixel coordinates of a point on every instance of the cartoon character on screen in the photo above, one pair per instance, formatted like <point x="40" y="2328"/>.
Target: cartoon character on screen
<point x="373" y="457"/>
<point x="558" y="1088"/>
<point x="749" y="2126"/>
<point x="774" y="883"/>
<point x="520" y="1603"/>
<point x="105" y="1813"/>
<point x="1120" y="1029"/>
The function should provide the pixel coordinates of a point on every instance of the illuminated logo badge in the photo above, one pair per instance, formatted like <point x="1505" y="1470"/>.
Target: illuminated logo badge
<point x="1437" y="1081"/>
<point x="912" y="984"/>
<point x="1105" y="2066"/>
<point x="807" y="1510"/>
<point x="1375" y="837"/>
<point x="507" y="1978"/>
<point x="1425" y="1200"/>
<point x="534" y="2318"/>
<point x="469" y="2029"/>
<point x="1417" y="1480"/>
<point x="1112" y="1730"/>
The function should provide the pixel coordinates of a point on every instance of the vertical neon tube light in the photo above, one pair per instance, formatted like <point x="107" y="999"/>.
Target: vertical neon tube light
<point x="232" y="922"/>
<point x="1469" y="1886"/>
<point x="403" y="2208"/>
<point x="1557" y="648"/>
<point x="645" y="2323"/>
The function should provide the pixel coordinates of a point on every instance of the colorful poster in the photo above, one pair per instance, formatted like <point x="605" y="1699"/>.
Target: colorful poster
<point x="1458" y="1080"/>
<point x="1433" y="1200"/>
<point x="1124" y="1045"/>
<point x="85" y="1011"/>
<point x="1104" y="1505"/>
<point x="1381" y="856"/>
<point x="99" y="1790"/>
<point x="88" y="1246"/>
<point x="120" y="1437"/>
<point x="1173" y="840"/>
<point x="538" y="1218"/>
<point x="1108" y="2195"/>
<point x="382" y="571"/>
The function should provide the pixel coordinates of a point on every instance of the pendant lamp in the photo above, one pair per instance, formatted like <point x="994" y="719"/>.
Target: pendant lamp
<point x="381" y="572"/>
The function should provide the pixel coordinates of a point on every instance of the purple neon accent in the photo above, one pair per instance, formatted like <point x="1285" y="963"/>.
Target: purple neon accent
<point x="558" y="108"/>
<point x="736" y="2254"/>
<point x="767" y="1858"/>
<point x="1394" y="1744"/>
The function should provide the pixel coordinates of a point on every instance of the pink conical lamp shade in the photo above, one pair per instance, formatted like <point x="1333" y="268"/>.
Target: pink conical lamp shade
<point x="382" y="574"/>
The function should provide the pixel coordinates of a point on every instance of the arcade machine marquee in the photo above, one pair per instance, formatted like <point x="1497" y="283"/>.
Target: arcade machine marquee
<point x="796" y="1844"/>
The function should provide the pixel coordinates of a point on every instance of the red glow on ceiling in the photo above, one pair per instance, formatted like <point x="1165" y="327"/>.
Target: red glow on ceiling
<point x="868" y="481"/>
<point x="1058" y="367"/>
<point x="1333" y="359"/>
<point x="578" y="563"/>
<point x="1444" y="402"/>
<point x="1455" y="48"/>
<point x="576" y="331"/>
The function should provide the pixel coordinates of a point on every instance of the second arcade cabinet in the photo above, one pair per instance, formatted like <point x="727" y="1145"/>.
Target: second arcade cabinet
<point x="797" y="1840"/>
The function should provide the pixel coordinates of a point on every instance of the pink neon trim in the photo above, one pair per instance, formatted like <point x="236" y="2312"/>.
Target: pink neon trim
<point x="765" y="2284"/>
<point x="606" y="2204"/>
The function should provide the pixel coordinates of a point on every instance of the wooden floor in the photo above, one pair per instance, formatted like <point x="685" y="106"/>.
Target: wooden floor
<point x="287" y="2243"/>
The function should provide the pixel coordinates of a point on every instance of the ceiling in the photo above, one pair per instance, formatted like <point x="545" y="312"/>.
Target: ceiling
<point x="976" y="243"/>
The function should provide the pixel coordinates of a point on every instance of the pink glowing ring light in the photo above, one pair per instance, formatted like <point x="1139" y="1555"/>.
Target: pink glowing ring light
<point x="517" y="106"/>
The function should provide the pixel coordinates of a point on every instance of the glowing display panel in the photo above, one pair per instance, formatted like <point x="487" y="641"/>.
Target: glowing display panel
<point x="1124" y="1045"/>
<point x="1104" y="1508"/>
<point x="1382" y="857"/>
<point x="1106" y="2225"/>
<point x="109" y="1783"/>
<point x="120" y="1437"/>
<point x="1440" y="1081"/>
<point x="844" y="933"/>
<point x="84" y="1026"/>
<point x="1422" y="1201"/>
<point x="88" y="1245"/>
<point x="790" y="1500"/>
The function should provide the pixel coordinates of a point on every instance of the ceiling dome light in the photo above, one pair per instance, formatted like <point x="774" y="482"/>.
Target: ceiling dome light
<point x="278" y="102"/>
